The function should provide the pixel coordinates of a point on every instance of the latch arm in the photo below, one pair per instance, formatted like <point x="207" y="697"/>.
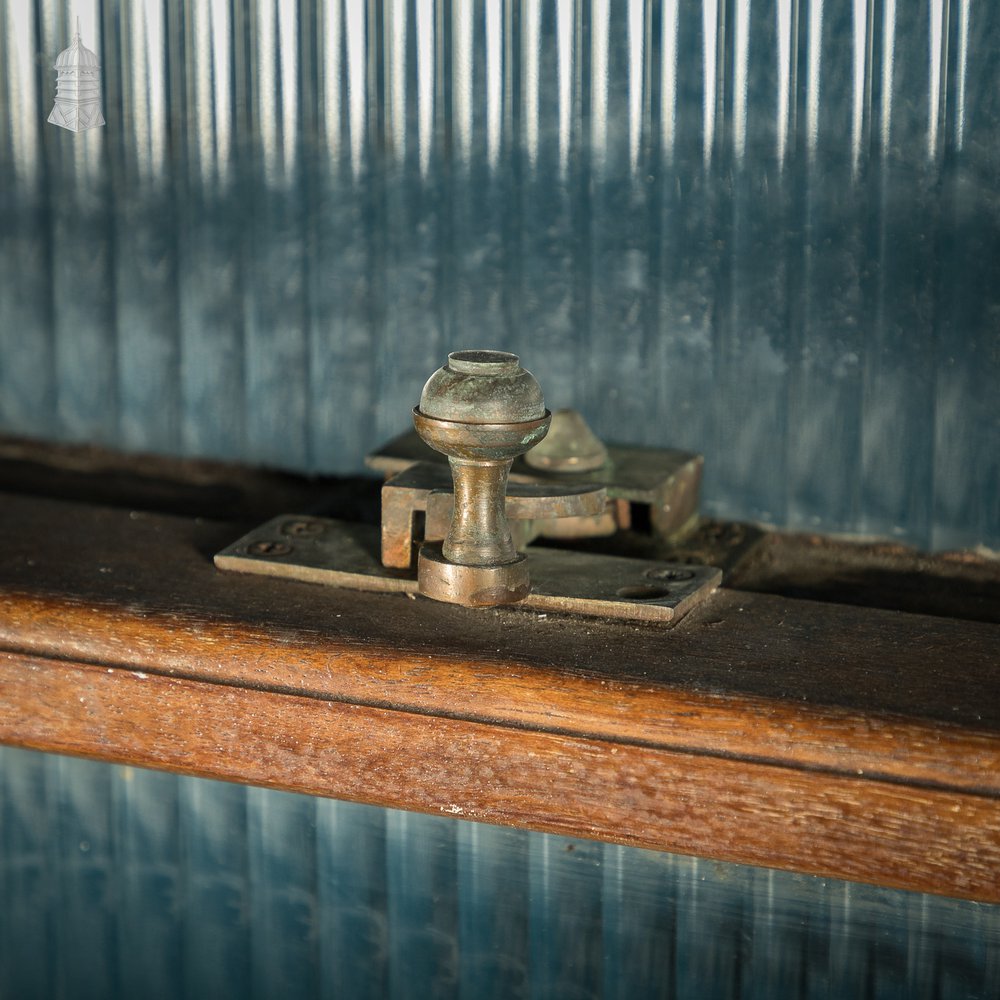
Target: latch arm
<point x="427" y="488"/>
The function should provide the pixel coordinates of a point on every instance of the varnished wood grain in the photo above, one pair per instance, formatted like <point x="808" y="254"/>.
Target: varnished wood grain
<point x="618" y="704"/>
<point x="823" y="738"/>
<point x="729" y="809"/>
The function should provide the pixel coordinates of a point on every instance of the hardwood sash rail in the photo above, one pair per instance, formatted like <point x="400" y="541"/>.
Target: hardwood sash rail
<point x="847" y="742"/>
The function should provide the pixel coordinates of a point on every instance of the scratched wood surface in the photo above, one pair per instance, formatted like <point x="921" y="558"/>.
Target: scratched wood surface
<point x="842" y="741"/>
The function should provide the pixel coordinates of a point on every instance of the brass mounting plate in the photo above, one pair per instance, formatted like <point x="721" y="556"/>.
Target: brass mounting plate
<point x="345" y="554"/>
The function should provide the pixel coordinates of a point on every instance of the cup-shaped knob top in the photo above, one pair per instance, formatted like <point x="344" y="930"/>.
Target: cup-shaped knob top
<point x="482" y="387"/>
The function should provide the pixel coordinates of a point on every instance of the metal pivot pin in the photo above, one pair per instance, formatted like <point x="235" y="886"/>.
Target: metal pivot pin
<point x="481" y="410"/>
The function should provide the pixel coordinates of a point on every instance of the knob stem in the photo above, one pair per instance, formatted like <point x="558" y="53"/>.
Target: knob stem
<point x="479" y="534"/>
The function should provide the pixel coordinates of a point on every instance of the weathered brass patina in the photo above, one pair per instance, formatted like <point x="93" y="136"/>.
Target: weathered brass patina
<point x="481" y="410"/>
<point x="467" y="524"/>
<point x="570" y="446"/>
<point x="654" y="487"/>
<point x="425" y="488"/>
<point x="344" y="554"/>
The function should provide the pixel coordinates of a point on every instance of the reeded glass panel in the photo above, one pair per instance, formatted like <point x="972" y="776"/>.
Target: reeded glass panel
<point x="118" y="882"/>
<point x="768" y="230"/>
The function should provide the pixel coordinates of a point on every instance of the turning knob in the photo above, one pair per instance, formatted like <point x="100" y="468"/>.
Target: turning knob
<point x="482" y="410"/>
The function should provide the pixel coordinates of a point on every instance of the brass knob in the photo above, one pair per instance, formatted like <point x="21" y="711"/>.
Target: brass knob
<point x="482" y="410"/>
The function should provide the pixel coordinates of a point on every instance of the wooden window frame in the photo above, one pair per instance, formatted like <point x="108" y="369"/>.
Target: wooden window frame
<point x="849" y="742"/>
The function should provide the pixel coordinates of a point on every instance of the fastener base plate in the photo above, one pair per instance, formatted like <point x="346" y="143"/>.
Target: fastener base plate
<point x="345" y="554"/>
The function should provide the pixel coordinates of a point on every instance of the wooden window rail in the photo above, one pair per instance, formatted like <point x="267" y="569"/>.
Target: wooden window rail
<point x="853" y="742"/>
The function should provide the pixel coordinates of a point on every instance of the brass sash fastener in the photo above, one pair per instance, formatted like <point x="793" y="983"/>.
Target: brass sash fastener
<point x="475" y="483"/>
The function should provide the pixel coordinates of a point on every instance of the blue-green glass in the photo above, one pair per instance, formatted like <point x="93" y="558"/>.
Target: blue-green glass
<point x="766" y="230"/>
<point x="119" y="882"/>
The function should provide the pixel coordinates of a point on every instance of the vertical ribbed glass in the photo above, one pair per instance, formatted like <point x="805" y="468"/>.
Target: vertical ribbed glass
<point x="148" y="882"/>
<point x="210" y="223"/>
<point x="118" y="882"/>
<point x="767" y="231"/>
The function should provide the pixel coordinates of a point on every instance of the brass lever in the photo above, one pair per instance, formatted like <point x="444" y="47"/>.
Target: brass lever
<point x="426" y="488"/>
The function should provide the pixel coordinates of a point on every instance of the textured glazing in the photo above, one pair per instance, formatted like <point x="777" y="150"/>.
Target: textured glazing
<point x="768" y="231"/>
<point x="118" y="882"/>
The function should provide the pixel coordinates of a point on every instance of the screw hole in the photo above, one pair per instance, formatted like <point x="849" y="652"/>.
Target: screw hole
<point x="269" y="548"/>
<point x="301" y="528"/>
<point x="674" y="575"/>
<point x="643" y="592"/>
